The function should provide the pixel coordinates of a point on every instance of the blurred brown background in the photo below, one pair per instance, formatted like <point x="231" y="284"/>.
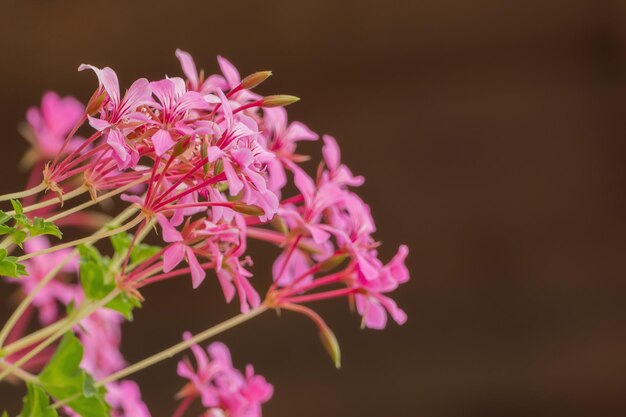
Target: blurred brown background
<point x="491" y="134"/>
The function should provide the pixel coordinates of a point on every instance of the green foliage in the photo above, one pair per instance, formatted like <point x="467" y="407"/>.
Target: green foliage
<point x="94" y="276"/>
<point x="124" y="304"/>
<point x="36" y="403"/>
<point x="140" y="252"/>
<point x="41" y="227"/>
<point x="9" y="267"/>
<point x="22" y="224"/>
<point x="98" y="280"/>
<point x="65" y="380"/>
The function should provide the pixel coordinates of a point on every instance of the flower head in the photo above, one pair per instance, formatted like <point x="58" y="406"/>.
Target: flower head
<point x="223" y="389"/>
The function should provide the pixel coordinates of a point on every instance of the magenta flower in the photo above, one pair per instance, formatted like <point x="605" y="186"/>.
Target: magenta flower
<point x="283" y="140"/>
<point x="125" y="399"/>
<point x="101" y="336"/>
<point x="175" y="103"/>
<point x="233" y="275"/>
<point x="223" y="389"/>
<point x="196" y="81"/>
<point x="177" y="251"/>
<point x="371" y="304"/>
<point x="56" y="292"/>
<point x="52" y="122"/>
<point x="337" y="172"/>
<point x="117" y="110"/>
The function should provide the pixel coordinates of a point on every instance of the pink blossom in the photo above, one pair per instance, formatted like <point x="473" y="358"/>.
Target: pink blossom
<point x="370" y="301"/>
<point x="337" y="172"/>
<point x="174" y="104"/>
<point x="56" y="292"/>
<point x="177" y="251"/>
<point x="223" y="389"/>
<point x="196" y="81"/>
<point x="53" y="122"/>
<point x="101" y="336"/>
<point x="118" y="110"/>
<point x="282" y="141"/>
<point x="233" y="275"/>
<point x="125" y="399"/>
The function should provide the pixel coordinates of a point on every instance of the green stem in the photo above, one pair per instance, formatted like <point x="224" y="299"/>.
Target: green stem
<point x="173" y="350"/>
<point x="75" y="318"/>
<point x="123" y="216"/>
<point x="25" y="193"/>
<point x="71" y="194"/>
<point x="96" y="200"/>
<point x="89" y="239"/>
<point x="186" y="344"/>
<point x="22" y="374"/>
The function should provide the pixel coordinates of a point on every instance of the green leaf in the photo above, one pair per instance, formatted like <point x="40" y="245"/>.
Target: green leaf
<point x="140" y="252"/>
<point x="36" y="403"/>
<point x="93" y="269"/>
<point x="121" y="242"/>
<point x="64" y="379"/>
<point x="5" y="230"/>
<point x="41" y="227"/>
<point x="124" y="304"/>
<point x="9" y="267"/>
<point x="17" y="206"/>
<point x="4" y="217"/>
<point x="143" y="252"/>
<point x="19" y="236"/>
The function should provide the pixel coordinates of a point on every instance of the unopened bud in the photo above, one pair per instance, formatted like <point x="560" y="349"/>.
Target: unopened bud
<point x="279" y="100"/>
<point x="279" y="224"/>
<point x="255" y="79"/>
<point x="248" y="209"/>
<point x="94" y="104"/>
<point x="331" y="345"/>
<point x="332" y="262"/>
<point x="180" y="146"/>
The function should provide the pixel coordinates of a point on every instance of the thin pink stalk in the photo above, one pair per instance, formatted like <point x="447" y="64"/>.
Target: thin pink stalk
<point x="320" y="296"/>
<point x="188" y="174"/>
<point x="171" y="274"/>
<point x="203" y="184"/>
<point x="183" y="406"/>
<point x="68" y="138"/>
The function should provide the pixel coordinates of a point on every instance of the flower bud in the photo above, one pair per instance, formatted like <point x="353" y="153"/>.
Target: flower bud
<point x="248" y="209"/>
<point x="332" y="262"/>
<point x="255" y="79"/>
<point x="278" y="100"/>
<point x="94" y="104"/>
<point x="279" y="224"/>
<point x="330" y="344"/>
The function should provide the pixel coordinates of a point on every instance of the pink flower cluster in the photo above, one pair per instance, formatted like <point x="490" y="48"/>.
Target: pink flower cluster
<point x="214" y="165"/>
<point x="222" y="389"/>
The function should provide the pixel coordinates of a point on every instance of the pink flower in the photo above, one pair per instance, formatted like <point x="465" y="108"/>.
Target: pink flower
<point x="233" y="275"/>
<point x="118" y="110"/>
<point x="177" y="251"/>
<point x="338" y="172"/>
<point x="297" y="265"/>
<point x="223" y="389"/>
<point x="56" y="292"/>
<point x="101" y="336"/>
<point x="175" y="104"/>
<point x="53" y="122"/>
<point x="243" y="158"/>
<point x="196" y="81"/>
<point x="282" y="141"/>
<point x="125" y="399"/>
<point x="370" y="301"/>
<point x="317" y="199"/>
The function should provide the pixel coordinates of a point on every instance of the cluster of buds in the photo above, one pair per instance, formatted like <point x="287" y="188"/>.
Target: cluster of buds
<point x="208" y="164"/>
